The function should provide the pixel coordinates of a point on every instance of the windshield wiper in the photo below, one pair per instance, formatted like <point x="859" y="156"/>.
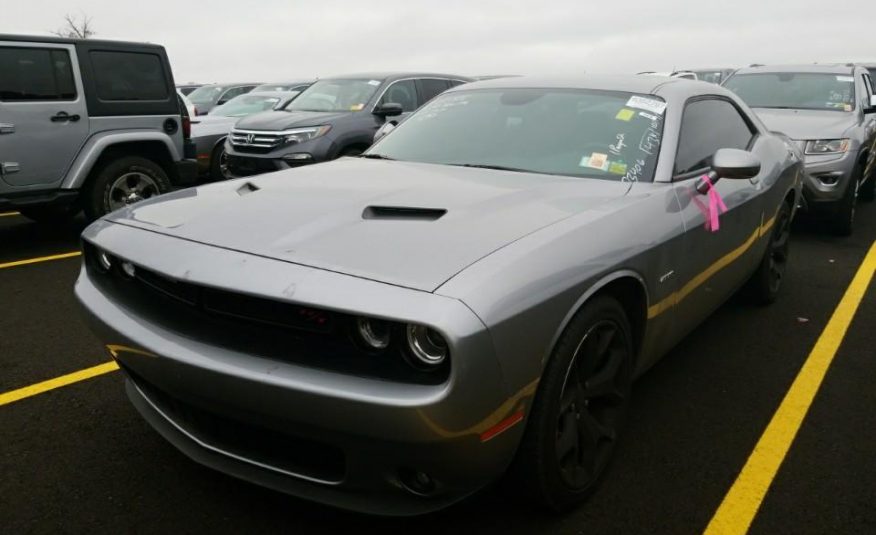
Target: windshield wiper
<point x="374" y="156"/>
<point x="494" y="167"/>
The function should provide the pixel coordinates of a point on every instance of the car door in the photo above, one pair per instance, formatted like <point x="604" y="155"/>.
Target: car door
<point x="715" y="263"/>
<point x="869" y="125"/>
<point x="43" y="117"/>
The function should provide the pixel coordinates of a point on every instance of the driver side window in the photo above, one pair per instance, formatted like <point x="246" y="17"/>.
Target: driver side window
<point x="403" y="92"/>
<point x="706" y="126"/>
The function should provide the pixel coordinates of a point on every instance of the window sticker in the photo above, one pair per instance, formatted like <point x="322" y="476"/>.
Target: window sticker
<point x="357" y="107"/>
<point x="647" y="104"/>
<point x="625" y="114"/>
<point x="845" y="78"/>
<point x="373" y="82"/>
<point x="648" y="116"/>
<point x="617" y="168"/>
<point x="847" y="107"/>
<point x="597" y="160"/>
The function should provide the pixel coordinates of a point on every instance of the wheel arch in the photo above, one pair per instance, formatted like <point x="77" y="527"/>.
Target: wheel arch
<point x="99" y="149"/>
<point x="629" y="289"/>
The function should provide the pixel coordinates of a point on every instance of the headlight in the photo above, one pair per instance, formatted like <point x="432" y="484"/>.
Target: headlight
<point x="300" y="135"/>
<point x="426" y="345"/>
<point x="827" y="146"/>
<point x="374" y="333"/>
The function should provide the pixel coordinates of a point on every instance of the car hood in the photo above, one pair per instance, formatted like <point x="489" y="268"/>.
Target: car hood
<point x="283" y="120"/>
<point x="807" y="124"/>
<point x="210" y="125"/>
<point x="319" y="216"/>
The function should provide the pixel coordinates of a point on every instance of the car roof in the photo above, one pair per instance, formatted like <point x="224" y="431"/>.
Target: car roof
<point x="630" y="83"/>
<point x="231" y="84"/>
<point x="71" y="41"/>
<point x="292" y="82"/>
<point x="826" y="68"/>
<point x="386" y="76"/>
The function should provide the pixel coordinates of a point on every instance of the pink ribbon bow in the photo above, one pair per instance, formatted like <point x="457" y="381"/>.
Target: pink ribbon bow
<point x="715" y="207"/>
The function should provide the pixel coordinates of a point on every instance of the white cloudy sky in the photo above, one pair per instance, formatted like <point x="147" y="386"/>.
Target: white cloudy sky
<point x="222" y="40"/>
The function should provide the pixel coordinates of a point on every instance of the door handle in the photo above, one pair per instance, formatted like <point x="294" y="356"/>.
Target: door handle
<point x="7" y="168"/>
<point x="63" y="116"/>
<point x="6" y="128"/>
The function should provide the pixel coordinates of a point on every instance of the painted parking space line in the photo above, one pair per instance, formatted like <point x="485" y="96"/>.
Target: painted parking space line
<point x="8" y="214"/>
<point x="742" y="501"/>
<point x="51" y="384"/>
<point x="39" y="259"/>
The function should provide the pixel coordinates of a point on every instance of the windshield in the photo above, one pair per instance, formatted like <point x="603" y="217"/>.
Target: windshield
<point x="804" y="91"/>
<point x="245" y="105"/>
<point x="570" y="132"/>
<point x="335" y="95"/>
<point x="208" y="94"/>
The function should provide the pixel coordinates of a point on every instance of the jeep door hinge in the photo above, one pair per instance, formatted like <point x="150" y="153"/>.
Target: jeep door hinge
<point x="7" y="168"/>
<point x="6" y="128"/>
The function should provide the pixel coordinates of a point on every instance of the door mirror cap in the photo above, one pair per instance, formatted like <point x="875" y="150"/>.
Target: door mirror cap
<point x="388" y="109"/>
<point x="735" y="163"/>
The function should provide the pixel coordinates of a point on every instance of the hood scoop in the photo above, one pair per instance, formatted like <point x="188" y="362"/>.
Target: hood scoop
<point x="247" y="188"/>
<point x="403" y="212"/>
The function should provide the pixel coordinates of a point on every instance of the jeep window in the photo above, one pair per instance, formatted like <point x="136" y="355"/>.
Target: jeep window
<point x="128" y="76"/>
<point x="34" y="74"/>
<point x="568" y="132"/>
<point x="403" y="92"/>
<point x="335" y="95"/>
<point x="802" y="91"/>
<point x="245" y="105"/>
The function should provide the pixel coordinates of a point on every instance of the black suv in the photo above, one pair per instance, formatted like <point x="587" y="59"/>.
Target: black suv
<point x="87" y="124"/>
<point x="334" y="117"/>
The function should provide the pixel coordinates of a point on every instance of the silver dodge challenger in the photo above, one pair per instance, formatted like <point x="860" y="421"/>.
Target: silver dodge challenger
<point x="469" y="300"/>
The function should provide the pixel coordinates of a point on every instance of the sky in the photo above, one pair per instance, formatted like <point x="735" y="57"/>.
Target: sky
<point x="274" y="40"/>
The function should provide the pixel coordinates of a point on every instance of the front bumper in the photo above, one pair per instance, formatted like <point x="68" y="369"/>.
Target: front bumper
<point x="243" y="163"/>
<point x="368" y="434"/>
<point x="826" y="178"/>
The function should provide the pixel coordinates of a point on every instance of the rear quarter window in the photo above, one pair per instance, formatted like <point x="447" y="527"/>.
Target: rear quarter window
<point x="129" y="76"/>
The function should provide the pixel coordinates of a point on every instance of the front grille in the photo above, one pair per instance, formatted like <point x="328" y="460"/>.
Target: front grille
<point x="288" y="453"/>
<point x="256" y="141"/>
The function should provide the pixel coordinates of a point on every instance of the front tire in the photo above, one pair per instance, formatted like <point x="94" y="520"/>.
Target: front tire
<point x="766" y="282"/>
<point x="122" y="182"/>
<point x="843" y="221"/>
<point x="579" y="409"/>
<point x="219" y="164"/>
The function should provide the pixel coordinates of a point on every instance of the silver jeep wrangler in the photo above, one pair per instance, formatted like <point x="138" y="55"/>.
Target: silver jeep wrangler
<point x="88" y="125"/>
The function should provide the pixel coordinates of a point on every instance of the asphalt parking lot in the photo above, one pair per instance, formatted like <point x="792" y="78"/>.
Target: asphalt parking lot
<point x="78" y="458"/>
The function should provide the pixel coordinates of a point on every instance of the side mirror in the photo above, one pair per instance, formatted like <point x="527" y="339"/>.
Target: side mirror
<point x="387" y="127"/>
<point x="388" y="109"/>
<point x="733" y="164"/>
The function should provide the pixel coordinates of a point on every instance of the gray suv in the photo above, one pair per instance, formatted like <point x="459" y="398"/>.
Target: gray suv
<point x="85" y="124"/>
<point x="334" y="117"/>
<point x="830" y="113"/>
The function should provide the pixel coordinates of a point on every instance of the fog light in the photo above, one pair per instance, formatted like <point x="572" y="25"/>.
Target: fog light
<point x="417" y="482"/>
<point x="375" y="334"/>
<point x="426" y="345"/>
<point x="128" y="269"/>
<point x="297" y="157"/>
<point x="104" y="260"/>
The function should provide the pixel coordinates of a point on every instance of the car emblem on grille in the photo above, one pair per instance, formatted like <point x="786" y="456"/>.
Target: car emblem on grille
<point x="250" y="138"/>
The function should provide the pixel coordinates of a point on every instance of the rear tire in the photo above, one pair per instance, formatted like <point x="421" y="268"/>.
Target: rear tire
<point x="843" y="221"/>
<point x="867" y="191"/>
<point x="121" y="182"/>
<point x="580" y="406"/>
<point x="764" y="285"/>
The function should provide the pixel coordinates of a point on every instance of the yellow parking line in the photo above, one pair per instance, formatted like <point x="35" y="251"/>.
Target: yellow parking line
<point x="57" y="382"/>
<point x="8" y="214"/>
<point x="40" y="259"/>
<point x="740" y="505"/>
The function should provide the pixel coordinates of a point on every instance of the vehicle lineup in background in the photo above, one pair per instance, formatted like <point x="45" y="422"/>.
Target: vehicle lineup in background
<point x="87" y="125"/>
<point x="471" y="297"/>
<point x="334" y="117"/>
<point x="830" y="113"/>
<point x="209" y="131"/>
<point x="208" y="96"/>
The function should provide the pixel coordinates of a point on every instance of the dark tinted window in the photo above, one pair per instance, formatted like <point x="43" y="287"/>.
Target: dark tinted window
<point x="404" y="93"/>
<point x="431" y="87"/>
<point x="873" y="79"/>
<point x="29" y="74"/>
<point x="128" y="76"/>
<point x="709" y="125"/>
<point x="454" y="83"/>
